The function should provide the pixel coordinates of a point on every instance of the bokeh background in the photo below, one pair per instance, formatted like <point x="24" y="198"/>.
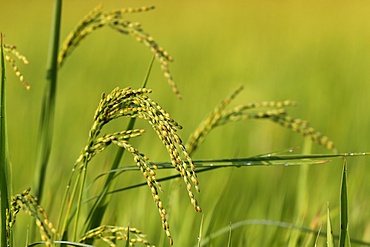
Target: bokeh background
<point x="314" y="52"/>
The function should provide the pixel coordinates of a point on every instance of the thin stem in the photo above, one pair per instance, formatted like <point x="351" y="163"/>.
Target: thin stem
<point x="5" y="170"/>
<point x="48" y="105"/>
<point x="73" y="194"/>
<point x="79" y="202"/>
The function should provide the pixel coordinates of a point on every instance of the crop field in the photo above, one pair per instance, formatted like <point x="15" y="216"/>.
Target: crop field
<point x="310" y="59"/>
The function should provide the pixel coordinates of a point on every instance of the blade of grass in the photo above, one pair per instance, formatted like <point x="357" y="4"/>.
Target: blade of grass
<point x="98" y="210"/>
<point x="48" y="104"/>
<point x="317" y="238"/>
<point x="229" y="240"/>
<point x="5" y="169"/>
<point x="344" y="207"/>
<point x="200" y="230"/>
<point x="329" y="230"/>
<point x="211" y="164"/>
<point x="128" y="238"/>
<point x="79" y="201"/>
<point x="66" y="243"/>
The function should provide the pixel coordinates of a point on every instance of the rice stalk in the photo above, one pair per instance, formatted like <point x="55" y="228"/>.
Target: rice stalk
<point x="29" y="204"/>
<point x="99" y="208"/>
<point x="329" y="230"/>
<point x="45" y="134"/>
<point x="6" y="183"/>
<point x="116" y="20"/>
<point x="275" y="111"/>
<point x="109" y="234"/>
<point x="133" y="104"/>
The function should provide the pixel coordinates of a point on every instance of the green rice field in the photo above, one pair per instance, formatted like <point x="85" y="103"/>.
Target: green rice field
<point x="316" y="53"/>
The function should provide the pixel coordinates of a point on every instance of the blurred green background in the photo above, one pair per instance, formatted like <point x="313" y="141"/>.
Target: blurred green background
<point x="314" y="52"/>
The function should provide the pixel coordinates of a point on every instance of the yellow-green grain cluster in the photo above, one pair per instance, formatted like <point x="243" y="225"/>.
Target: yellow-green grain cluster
<point x="304" y="128"/>
<point x="209" y="122"/>
<point x="12" y="50"/>
<point x="111" y="234"/>
<point x="30" y="206"/>
<point x="136" y="104"/>
<point x="115" y="19"/>
<point x="273" y="110"/>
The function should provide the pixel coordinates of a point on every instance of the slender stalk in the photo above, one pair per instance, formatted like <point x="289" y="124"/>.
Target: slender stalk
<point x="48" y="104"/>
<point x="79" y="202"/>
<point x="5" y="169"/>
<point x="63" y="229"/>
<point x="329" y="230"/>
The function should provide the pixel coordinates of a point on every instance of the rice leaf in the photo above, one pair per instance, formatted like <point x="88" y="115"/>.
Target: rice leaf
<point x="128" y="239"/>
<point x="63" y="243"/>
<point x="45" y="134"/>
<point x="200" y="230"/>
<point x="259" y="160"/>
<point x="5" y="169"/>
<point x="229" y="239"/>
<point x="344" y="234"/>
<point x="329" y="230"/>
<point x="317" y="238"/>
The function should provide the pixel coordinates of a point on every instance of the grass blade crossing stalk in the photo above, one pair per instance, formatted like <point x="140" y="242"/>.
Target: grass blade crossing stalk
<point x="344" y="235"/>
<point x="48" y="104"/>
<point x="97" y="212"/>
<point x="211" y="164"/>
<point x="5" y="170"/>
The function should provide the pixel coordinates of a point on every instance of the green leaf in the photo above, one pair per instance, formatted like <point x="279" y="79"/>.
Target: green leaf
<point x="211" y="164"/>
<point x="200" y="230"/>
<point x="5" y="169"/>
<point x="48" y="104"/>
<point x="128" y="239"/>
<point x="329" y="230"/>
<point x="229" y="239"/>
<point x="65" y="243"/>
<point x="344" y="208"/>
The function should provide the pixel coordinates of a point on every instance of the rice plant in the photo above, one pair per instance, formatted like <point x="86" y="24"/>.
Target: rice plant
<point x="80" y="223"/>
